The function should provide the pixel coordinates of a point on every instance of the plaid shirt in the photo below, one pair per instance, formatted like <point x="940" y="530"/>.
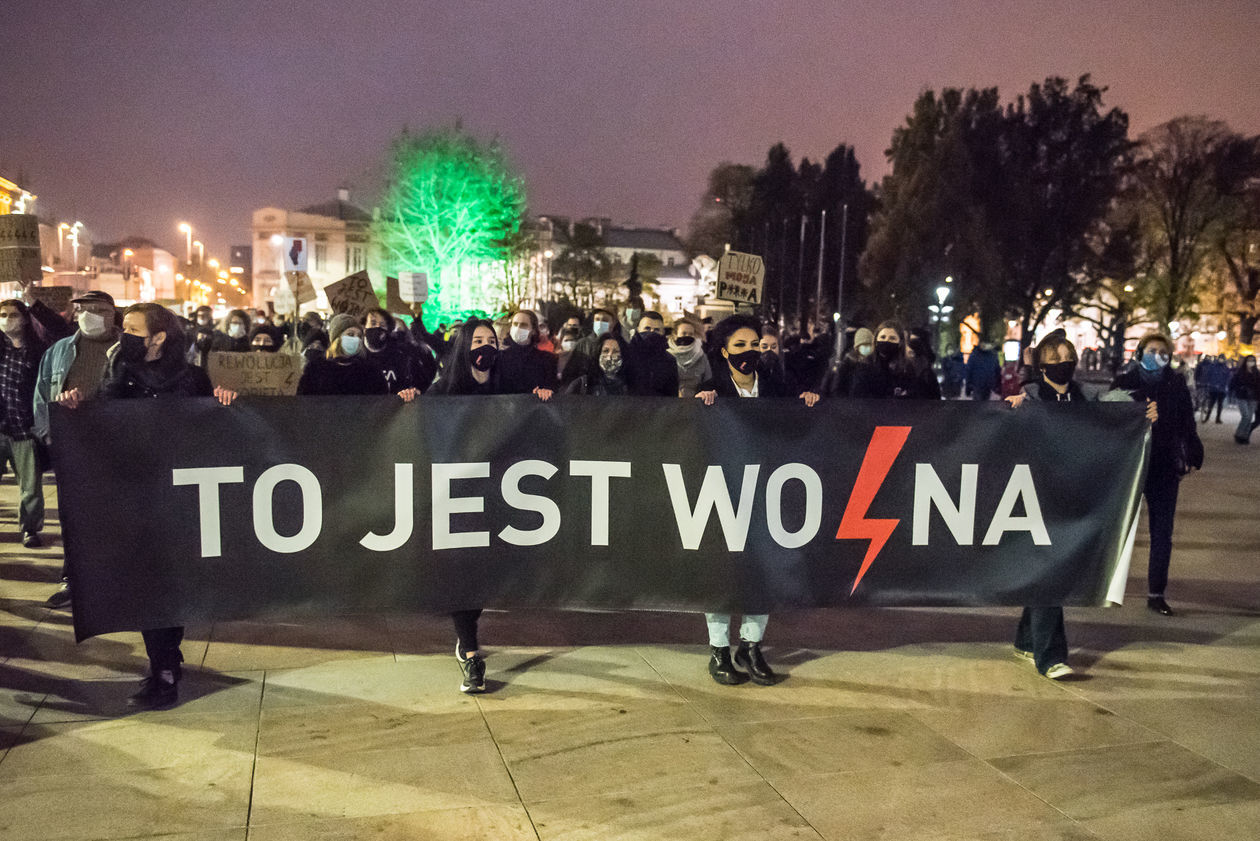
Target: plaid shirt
<point x="18" y="368"/>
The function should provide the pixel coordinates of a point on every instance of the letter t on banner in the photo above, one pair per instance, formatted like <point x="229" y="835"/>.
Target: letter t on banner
<point x="600" y="472"/>
<point x="207" y="480"/>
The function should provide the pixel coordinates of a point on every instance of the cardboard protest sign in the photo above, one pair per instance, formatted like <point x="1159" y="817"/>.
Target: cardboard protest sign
<point x="19" y="249"/>
<point x="413" y="287"/>
<point x="353" y="295"/>
<point x="393" y="301"/>
<point x="740" y="278"/>
<point x="257" y="373"/>
<point x="300" y="285"/>
<point x="56" y="298"/>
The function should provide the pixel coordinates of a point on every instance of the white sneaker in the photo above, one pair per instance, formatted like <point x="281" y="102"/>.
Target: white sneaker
<point x="1059" y="671"/>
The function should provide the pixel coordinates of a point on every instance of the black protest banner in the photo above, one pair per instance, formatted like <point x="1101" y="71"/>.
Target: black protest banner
<point x="177" y="511"/>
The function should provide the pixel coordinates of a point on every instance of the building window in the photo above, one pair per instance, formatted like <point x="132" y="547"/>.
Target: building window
<point x="678" y="304"/>
<point x="354" y="259"/>
<point x="671" y="261"/>
<point x="321" y="256"/>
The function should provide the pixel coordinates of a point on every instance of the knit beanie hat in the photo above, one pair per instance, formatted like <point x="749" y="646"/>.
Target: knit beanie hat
<point x="863" y="336"/>
<point x="340" y="323"/>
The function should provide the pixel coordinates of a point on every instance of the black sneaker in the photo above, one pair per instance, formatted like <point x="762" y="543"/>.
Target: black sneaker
<point x="61" y="598"/>
<point x="31" y="540"/>
<point x="474" y="669"/>
<point x="156" y="692"/>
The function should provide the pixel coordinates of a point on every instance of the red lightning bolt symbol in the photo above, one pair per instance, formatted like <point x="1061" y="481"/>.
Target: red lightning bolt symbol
<point x="886" y="443"/>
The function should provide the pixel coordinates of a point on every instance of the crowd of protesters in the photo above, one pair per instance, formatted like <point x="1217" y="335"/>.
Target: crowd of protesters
<point x="145" y="351"/>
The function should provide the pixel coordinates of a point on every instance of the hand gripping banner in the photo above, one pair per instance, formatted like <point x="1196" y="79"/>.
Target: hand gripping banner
<point x="182" y="510"/>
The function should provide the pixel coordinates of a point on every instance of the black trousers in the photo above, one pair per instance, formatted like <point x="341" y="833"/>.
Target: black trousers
<point x="466" y="628"/>
<point x="1214" y="398"/>
<point x="1041" y="632"/>
<point x="162" y="646"/>
<point x="1161" y="488"/>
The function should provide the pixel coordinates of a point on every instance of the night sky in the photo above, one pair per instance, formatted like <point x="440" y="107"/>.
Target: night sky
<point x="133" y="116"/>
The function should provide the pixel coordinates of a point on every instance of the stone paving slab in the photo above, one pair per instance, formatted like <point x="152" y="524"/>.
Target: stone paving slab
<point x="889" y="724"/>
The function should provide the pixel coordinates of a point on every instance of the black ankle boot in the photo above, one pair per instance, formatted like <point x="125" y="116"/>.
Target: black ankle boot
<point x="721" y="667"/>
<point x="749" y="656"/>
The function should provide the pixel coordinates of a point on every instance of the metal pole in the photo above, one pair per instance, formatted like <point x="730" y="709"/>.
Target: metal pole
<point x="822" y="251"/>
<point x="800" y="278"/>
<point x="844" y="238"/>
<point x="783" y="274"/>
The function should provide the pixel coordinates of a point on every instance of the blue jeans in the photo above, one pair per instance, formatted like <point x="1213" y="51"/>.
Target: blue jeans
<point x="752" y="629"/>
<point x="1041" y="632"/>
<point x="1247" y="409"/>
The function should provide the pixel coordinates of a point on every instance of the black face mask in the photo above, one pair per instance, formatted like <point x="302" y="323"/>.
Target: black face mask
<point x="887" y="351"/>
<point x="1059" y="373"/>
<point x="684" y="341"/>
<point x="131" y="348"/>
<point x="376" y="337"/>
<point x="745" y="362"/>
<point x="769" y="357"/>
<point x="649" y="341"/>
<point x="483" y="357"/>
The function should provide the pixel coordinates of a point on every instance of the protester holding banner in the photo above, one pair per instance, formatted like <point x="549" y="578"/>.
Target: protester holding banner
<point x="75" y="365"/>
<point x="569" y="336"/>
<point x="472" y="369"/>
<point x="1175" y="451"/>
<point x="886" y="372"/>
<point x="344" y="369"/>
<point x="522" y="367"/>
<point x="607" y="374"/>
<point x="651" y="370"/>
<point x="771" y="361"/>
<point x="839" y="379"/>
<point x="688" y="353"/>
<point x="738" y="339"/>
<point x="20" y="352"/>
<point x="233" y="335"/>
<point x="400" y="363"/>
<point x="150" y="363"/>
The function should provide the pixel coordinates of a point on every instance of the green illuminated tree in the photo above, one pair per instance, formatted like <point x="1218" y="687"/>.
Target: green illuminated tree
<point x="450" y="208"/>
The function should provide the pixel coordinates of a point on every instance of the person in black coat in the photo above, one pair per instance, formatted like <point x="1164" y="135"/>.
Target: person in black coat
<point x="522" y="367"/>
<point x="344" y="369"/>
<point x="472" y="368"/>
<point x="401" y="363"/>
<point x="1245" y="388"/>
<point x="233" y="335"/>
<point x="151" y="364"/>
<point x="887" y="372"/>
<point x="1175" y="450"/>
<point x="602" y="322"/>
<point x="737" y="339"/>
<point x="651" y="370"/>
<point x="607" y="375"/>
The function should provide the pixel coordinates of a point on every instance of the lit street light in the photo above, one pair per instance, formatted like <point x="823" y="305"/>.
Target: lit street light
<point x="186" y="230"/>
<point x="201" y="251"/>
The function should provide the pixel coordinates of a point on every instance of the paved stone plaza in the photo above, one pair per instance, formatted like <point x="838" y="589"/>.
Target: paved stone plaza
<point x="891" y="724"/>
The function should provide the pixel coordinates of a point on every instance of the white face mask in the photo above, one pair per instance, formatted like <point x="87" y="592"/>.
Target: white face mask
<point x="568" y="345"/>
<point x="864" y="350"/>
<point x="11" y="326"/>
<point x="520" y="335"/>
<point x="600" y="327"/>
<point x="236" y="330"/>
<point x="92" y="325"/>
<point x="350" y="344"/>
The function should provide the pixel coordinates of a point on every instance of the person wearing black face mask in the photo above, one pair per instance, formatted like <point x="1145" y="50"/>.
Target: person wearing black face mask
<point x="1175" y="451"/>
<point x="1040" y="636"/>
<point x="471" y="368"/>
<point x="150" y="365"/>
<point x="202" y="337"/>
<point x="651" y="369"/>
<point x="688" y="353"/>
<point x="265" y="338"/>
<point x="400" y="361"/>
<point x="738" y="339"/>
<point x="886" y="372"/>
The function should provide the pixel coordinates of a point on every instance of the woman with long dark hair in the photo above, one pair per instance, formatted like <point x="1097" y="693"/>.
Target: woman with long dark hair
<point x="737" y="339"/>
<point x="471" y="368"/>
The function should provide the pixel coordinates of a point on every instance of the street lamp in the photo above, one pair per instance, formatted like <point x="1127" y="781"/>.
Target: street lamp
<point x="201" y="251"/>
<point x="940" y="311"/>
<point x="186" y="230"/>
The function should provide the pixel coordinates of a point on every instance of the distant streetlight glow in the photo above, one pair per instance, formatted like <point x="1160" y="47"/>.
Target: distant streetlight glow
<point x="186" y="230"/>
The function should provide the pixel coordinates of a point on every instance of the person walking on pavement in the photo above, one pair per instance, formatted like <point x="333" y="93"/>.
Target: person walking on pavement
<point x="984" y="374"/>
<point x="1245" y="389"/>
<point x="1175" y="451"/>
<point x="20" y="352"/>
